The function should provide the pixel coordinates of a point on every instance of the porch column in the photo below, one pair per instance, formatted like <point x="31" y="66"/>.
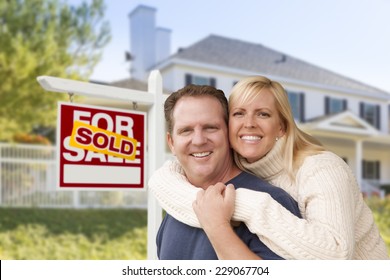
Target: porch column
<point x="359" y="159"/>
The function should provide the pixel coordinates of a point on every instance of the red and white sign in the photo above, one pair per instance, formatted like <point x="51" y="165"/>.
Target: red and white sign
<point x="100" y="147"/>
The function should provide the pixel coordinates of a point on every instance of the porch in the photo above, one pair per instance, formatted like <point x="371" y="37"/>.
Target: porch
<point x="363" y="147"/>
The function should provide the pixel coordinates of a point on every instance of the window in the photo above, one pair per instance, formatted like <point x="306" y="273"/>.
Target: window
<point x="199" y="80"/>
<point x="370" y="113"/>
<point x="297" y="103"/>
<point x="371" y="170"/>
<point x="334" y="105"/>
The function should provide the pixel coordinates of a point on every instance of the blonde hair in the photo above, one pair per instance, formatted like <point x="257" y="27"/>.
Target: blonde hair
<point x="299" y="144"/>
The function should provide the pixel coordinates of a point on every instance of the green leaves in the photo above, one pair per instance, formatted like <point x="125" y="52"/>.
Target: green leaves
<point x="44" y="37"/>
<point x="381" y="212"/>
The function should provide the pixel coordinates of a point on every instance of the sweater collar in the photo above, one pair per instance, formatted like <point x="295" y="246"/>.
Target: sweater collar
<point x="269" y="165"/>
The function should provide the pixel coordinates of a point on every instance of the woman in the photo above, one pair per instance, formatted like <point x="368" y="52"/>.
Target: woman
<point x="336" y="224"/>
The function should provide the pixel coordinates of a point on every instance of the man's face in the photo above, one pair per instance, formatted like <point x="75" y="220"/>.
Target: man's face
<point x="199" y="140"/>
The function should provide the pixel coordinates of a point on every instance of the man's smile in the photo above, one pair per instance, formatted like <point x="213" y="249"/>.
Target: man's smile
<point x="201" y="154"/>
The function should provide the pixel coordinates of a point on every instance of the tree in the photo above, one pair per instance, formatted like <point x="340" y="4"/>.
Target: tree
<point x="44" y="37"/>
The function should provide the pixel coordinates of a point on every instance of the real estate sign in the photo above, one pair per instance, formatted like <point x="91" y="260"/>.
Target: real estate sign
<point x="100" y="148"/>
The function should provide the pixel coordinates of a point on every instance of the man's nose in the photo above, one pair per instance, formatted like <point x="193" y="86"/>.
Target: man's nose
<point x="199" y="137"/>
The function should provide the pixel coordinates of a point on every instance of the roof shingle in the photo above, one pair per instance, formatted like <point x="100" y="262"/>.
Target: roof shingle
<point x="237" y="54"/>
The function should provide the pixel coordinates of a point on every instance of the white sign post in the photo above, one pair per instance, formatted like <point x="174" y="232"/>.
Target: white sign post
<point x="155" y="128"/>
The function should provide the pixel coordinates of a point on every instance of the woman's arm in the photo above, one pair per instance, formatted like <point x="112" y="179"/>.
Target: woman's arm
<point x="175" y="194"/>
<point x="326" y="202"/>
<point x="328" y="206"/>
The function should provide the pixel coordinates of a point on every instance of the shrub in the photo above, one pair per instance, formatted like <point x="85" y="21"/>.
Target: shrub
<point x="25" y="138"/>
<point x="381" y="211"/>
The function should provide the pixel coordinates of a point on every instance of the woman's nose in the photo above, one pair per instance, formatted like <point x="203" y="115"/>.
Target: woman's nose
<point x="249" y="122"/>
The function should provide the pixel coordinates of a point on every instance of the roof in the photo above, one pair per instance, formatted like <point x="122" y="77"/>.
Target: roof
<point x="131" y="83"/>
<point x="237" y="54"/>
<point x="125" y="83"/>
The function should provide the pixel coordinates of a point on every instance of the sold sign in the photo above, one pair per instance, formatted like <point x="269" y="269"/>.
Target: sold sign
<point x="100" y="148"/>
<point x="103" y="141"/>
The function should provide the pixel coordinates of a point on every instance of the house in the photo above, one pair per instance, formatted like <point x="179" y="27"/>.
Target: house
<point x="350" y="118"/>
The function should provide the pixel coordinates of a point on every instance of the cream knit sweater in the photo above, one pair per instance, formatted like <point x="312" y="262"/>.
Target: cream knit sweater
<point x="336" y="224"/>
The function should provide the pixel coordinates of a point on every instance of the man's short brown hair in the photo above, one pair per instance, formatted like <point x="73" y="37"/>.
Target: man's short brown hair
<point x="194" y="91"/>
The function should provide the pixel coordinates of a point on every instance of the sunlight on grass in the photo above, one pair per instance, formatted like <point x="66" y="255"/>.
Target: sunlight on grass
<point x="86" y="235"/>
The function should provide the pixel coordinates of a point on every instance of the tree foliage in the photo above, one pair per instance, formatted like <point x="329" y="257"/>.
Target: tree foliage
<point x="44" y="37"/>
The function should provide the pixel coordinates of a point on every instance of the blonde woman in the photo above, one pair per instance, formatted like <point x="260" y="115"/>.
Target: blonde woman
<point x="336" y="223"/>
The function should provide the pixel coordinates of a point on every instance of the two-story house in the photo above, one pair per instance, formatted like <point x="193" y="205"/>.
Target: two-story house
<point x="350" y="118"/>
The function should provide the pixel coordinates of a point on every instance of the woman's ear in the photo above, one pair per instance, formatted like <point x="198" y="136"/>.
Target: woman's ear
<point x="282" y="130"/>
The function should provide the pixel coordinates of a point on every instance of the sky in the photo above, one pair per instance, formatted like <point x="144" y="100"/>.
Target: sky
<point x="348" y="37"/>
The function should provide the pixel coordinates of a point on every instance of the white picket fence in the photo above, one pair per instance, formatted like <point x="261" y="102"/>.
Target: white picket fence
<point x="28" y="179"/>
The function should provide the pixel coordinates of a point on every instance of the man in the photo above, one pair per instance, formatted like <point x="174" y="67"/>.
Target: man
<point x="197" y="118"/>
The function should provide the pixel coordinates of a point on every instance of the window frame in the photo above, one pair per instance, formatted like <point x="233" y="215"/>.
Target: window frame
<point x="371" y="170"/>
<point x="334" y="105"/>
<point x="372" y="117"/>
<point x="191" y="79"/>
<point x="298" y="106"/>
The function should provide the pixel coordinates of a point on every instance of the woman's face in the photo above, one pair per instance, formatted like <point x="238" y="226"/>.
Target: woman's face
<point x="254" y="126"/>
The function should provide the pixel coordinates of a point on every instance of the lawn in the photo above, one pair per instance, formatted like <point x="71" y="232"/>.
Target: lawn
<point x="96" y="234"/>
<point x="52" y="234"/>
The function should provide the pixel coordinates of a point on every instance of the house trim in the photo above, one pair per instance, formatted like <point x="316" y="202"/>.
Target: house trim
<point x="184" y="62"/>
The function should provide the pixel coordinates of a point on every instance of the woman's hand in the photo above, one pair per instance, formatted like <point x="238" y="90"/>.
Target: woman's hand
<point x="214" y="207"/>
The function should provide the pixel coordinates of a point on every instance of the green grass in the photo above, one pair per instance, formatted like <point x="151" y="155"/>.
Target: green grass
<point x="53" y="234"/>
<point x="96" y="234"/>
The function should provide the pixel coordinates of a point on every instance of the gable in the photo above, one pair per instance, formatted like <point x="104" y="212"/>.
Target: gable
<point x="348" y="122"/>
<point x="344" y="122"/>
